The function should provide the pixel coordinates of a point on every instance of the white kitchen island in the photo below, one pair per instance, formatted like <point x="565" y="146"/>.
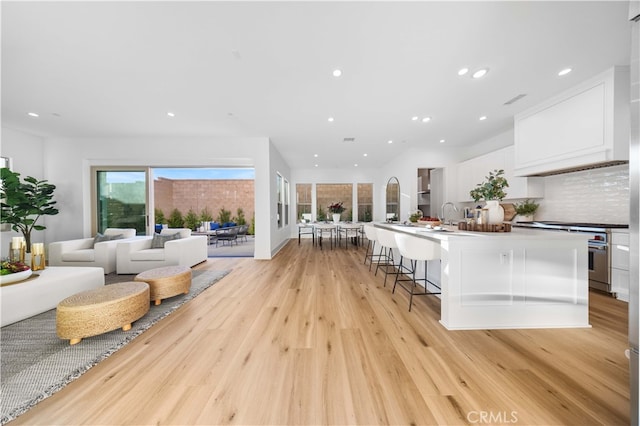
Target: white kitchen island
<point x="519" y="279"/>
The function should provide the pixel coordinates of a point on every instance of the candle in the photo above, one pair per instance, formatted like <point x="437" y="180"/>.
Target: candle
<point x="17" y="242"/>
<point x="37" y="248"/>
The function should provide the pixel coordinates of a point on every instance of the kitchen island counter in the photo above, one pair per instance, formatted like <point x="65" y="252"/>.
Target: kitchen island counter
<point x="520" y="279"/>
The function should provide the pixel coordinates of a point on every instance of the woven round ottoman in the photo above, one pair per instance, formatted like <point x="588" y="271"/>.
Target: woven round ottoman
<point x="166" y="282"/>
<point x="103" y="309"/>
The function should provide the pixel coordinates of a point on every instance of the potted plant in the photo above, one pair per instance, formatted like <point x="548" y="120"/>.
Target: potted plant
<point x="492" y="191"/>
<point x="525" y="210"/>
<point x="24" y="202"/>
<point x="336" y="210"/>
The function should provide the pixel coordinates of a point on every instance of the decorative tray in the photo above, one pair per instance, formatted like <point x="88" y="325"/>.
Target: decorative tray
<point x="473" y="227"/>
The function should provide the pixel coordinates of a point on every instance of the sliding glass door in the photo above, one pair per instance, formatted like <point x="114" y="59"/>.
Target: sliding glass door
<point x="121" y="199"/>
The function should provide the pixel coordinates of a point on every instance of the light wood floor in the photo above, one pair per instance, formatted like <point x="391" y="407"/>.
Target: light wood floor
<point x="312" y="337"/>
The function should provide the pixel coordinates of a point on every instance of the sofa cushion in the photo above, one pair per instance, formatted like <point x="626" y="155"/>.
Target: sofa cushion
<point x="86" y="255"/>
<point x="159" y="240"/>
<point x="184" y="232"/>
<point x="100" y="238"/>
<point x="148" y="254"/>
<point x="120" y="232"/>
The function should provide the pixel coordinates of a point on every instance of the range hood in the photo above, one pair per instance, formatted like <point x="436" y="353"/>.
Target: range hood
<point x="581" y="168"/>
<point x="583" y="128"/>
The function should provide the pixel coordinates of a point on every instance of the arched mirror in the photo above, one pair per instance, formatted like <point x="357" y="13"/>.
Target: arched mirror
<point x="393" y="200"/>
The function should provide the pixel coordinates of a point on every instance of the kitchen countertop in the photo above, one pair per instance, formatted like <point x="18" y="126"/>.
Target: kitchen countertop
<point x="452" y="232"/>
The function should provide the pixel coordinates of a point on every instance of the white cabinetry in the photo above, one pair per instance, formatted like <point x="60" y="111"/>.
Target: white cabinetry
<point x="474" y="171"/>
<point x="620" y="263"/>
<point x="584" y="126"/>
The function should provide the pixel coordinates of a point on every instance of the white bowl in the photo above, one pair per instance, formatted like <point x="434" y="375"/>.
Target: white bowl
<point x="15" y="277"/>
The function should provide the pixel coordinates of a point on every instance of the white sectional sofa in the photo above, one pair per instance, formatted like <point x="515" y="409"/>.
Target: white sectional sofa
<point x="138" y="255"/>
<point x="83" y="251"/>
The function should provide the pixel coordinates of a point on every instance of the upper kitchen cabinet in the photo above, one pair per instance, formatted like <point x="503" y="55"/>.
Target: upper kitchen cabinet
<point x="474" y="171"/>
<point x="586" y="126"/>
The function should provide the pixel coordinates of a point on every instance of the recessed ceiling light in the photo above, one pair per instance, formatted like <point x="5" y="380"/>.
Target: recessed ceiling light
<point x="315" y="155"/>
<point x="171" y="114"/>
<point x="426" y="119"/>
<point x="484" y="117"/>
<point x="564" y="72"/>
<point x="355" y="165"/>
<point x="337" y="73"/>
<point x="316" y="165"/>
<point x="330" y="119"/>
<point x="463" y="71"/>
<point x="389" y="141"/>
<point x="33" y="114"/>
<point x="480" y="73"/>
<point x="441" y="140"/>
<point x="365" y="154"/>
<point x="414" y="118"/>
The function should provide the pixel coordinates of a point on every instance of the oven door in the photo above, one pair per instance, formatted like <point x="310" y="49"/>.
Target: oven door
<point x="599" y="267"/>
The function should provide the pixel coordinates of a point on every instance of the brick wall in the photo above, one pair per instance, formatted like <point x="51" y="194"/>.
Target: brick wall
<point x="196" y="194"/>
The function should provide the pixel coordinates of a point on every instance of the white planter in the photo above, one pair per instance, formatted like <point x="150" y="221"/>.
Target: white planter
<point x="523" y="218"/>
<point x="496" y="212"/>
<point x="336" y="217"/>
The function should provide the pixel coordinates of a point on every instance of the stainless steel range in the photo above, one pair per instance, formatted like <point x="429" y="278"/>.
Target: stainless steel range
<point x="599" y="247"/>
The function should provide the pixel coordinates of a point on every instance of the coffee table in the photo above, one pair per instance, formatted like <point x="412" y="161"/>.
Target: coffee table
<point x="166" y="282"/>
<point x="100" y="310"/>
<point x="45" y="289"/>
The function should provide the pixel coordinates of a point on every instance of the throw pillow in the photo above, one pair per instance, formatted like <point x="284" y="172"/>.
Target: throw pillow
<point x="158" y="240"/>
<point x="100" y="238"/>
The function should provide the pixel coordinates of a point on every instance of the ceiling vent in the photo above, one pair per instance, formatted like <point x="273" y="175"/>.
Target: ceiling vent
<point x="515" y="99"/>
<point x="349" y="140"/>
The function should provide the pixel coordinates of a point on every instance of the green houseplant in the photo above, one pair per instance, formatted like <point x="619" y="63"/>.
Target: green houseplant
<point x="526" y="209"/>
<point x="24" y="202"/>
<point x="492" y="191"/>
<point x="492" y="188"/>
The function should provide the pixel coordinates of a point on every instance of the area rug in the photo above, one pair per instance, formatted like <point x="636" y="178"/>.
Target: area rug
<point x="35" y="363"/>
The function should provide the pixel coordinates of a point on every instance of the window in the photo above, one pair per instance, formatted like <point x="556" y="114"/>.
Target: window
<point x="286" y="202"/>
<point x="303" y="199"/>
<point x="279" y="198"/>
<point x="330" y="193"/>
<point x="121" y="199"/>
<point x="365" y="202"/>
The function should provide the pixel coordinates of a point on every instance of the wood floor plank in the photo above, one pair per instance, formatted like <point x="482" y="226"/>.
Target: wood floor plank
<point x="313" y="337"/>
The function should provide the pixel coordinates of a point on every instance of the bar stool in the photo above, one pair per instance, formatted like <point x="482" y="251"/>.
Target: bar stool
<point x="416" y="249"/>
<point x="387" y="242"/>
<point x="372" y="238"/>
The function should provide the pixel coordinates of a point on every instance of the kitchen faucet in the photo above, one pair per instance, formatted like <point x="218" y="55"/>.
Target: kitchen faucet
<point x="455" y="209"/>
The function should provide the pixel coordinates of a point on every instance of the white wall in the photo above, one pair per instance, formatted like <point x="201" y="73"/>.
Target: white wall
<point x="26" y="154"/>
<point x="279" y="236"/>
<point x="405" y="168"/>
<point x="67" y="162"/>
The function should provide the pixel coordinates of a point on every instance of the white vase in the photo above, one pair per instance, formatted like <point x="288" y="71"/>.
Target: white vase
<point x="336" y="217"/>
<point x="496" y="212"/>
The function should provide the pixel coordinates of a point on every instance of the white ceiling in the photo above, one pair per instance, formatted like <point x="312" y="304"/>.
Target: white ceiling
<point x="109" y="69"/>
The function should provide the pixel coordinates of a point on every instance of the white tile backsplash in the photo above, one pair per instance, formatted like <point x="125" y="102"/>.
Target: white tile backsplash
<point x="598" y="196"/>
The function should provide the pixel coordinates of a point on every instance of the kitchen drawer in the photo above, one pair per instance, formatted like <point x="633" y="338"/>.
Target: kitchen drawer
<point x="621" y="238"/>
<point x="620" y="283"/>
<point x="620" y="256"/>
